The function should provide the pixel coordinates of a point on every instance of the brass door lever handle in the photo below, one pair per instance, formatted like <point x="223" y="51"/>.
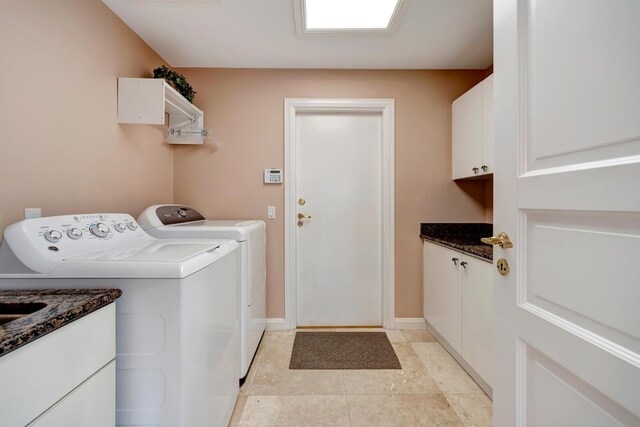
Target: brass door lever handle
<point x="501" y="239"/>
<point x="303" y="216"/>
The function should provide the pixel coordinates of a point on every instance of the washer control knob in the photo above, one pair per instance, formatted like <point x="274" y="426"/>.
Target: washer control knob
<point x="182" y="212"/>
<point x="100" y="230"/>
<point x="132" y="226"/>
<point x="53" y="236"/>
<point x="120" y="227"/>
<point x="74" y="233"/>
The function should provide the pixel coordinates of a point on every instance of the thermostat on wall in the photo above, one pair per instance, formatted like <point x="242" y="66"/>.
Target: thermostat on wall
<point x="273" y="176"/>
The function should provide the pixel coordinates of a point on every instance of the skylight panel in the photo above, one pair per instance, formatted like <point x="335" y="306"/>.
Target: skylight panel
<point x="349" y="14"/>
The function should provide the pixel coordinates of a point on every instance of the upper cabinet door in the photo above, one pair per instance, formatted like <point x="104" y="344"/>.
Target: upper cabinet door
<point x="467" y="134"/>
<point x="487" y="125"/>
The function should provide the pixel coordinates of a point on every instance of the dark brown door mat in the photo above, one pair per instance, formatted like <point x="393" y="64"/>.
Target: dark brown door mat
<point x="343" y="350"/>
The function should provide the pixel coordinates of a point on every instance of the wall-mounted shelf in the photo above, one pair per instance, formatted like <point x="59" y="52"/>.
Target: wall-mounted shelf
<point x="147" y="101"/>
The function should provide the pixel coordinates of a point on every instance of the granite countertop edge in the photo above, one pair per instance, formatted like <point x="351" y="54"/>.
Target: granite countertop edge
<point x="63" y="307"/>
<point x="481" y="251"/>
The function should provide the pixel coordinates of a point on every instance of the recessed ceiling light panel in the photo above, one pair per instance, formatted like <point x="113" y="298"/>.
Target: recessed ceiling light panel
<point x="344" y="16"/>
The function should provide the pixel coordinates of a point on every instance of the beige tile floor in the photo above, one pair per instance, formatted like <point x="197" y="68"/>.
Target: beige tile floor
<point x="430" y="390"/>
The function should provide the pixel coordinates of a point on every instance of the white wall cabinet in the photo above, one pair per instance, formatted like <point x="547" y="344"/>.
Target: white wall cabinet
<point x="472" y="132"/>
<point x="458" y="305"/>
<point x="148" y="101"/>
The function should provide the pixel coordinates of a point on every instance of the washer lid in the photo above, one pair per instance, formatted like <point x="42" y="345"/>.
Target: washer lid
<point x="156" y="251"/>
<point x="159" y="259"/>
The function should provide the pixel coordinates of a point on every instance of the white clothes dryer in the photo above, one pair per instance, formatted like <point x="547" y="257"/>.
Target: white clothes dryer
<point x="184" y="222"/>
<point x="176" y="322"/>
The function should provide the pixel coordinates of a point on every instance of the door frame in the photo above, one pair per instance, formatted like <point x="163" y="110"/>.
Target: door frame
<point x="386" y="107"/>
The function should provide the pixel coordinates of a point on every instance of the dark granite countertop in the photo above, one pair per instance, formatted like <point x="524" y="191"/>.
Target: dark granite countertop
<point x="464" y="237"/>
<point x="63" y="306"/>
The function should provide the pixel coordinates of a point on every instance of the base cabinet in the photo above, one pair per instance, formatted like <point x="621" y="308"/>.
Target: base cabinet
<point x="443" y="292"/>
<point x="65" y="378"/>
<point x="458" y="304"/>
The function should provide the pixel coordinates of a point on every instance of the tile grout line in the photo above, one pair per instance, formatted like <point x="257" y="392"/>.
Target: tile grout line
<point x="346" y="401"/>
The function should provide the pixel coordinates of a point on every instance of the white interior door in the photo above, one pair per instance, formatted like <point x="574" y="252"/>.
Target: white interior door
<point x="567" y="126"/>
<point x="339" y="249"/>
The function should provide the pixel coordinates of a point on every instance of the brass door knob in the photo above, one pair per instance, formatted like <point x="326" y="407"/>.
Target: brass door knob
<point x="303" y="216"/>
<point x="501" y="239"/>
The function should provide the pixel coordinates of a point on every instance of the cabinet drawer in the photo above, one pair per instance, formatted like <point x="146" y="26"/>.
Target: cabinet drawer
<point x="44" y="371"/>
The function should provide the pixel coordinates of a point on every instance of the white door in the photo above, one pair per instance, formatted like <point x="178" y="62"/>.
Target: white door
<point x="567" y="191"/>
<point x="339" y="249"/>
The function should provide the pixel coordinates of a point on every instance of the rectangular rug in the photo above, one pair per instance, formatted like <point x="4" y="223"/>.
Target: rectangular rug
<point x="343" y="350"/>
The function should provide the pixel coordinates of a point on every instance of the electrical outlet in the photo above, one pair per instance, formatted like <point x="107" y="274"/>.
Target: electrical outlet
<point x="271" y="212"/>
<point x="32" y="213"/>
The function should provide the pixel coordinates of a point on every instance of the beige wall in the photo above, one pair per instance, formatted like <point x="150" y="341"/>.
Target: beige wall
<point x="61" y="148"/>
<point x="489" y="201"/>
<point x="244" y="108"/>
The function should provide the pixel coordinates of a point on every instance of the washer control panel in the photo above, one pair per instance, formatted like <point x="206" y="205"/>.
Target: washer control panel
<point x="74" y="234"/>
<point x="41" y="243"/>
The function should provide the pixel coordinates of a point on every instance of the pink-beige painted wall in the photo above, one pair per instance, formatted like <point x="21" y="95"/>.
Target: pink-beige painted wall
<point x="489" y="201"/>
<point x="244" y="108"/>
<point x="61" y="147"/>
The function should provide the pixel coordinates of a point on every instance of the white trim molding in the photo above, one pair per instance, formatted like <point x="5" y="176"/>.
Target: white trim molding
<point x="386" y="107"/>
<point x="275" y="324"/>
<point x="411" y="323"/>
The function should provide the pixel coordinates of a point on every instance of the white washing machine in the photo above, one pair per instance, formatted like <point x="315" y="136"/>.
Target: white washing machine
<point x="179" y="221"/>
<point x="176" y="322"/>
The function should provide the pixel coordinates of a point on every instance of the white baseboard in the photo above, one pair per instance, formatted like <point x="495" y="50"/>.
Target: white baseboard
<point x="410" y="323"/>
<point x="279" y="324"/>
<point x="276" y="324"/>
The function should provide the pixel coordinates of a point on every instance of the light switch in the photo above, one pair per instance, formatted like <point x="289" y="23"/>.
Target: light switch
<point x="271" y="212"/>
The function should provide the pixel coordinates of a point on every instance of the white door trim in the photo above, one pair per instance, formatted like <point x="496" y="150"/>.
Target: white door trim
<point x="386" y="108"/>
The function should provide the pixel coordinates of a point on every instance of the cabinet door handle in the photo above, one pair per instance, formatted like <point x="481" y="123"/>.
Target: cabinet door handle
<point x="475" y="171"/>
<point x="464" y="264"/>
<point x="485" y="168"/>
<point x="455" y="261"/>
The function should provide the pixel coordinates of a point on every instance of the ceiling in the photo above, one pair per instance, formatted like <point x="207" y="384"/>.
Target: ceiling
<point x="433" y="34"/>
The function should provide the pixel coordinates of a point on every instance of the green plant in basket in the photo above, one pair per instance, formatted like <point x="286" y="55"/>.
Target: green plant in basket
<point x="176" y="80"/>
